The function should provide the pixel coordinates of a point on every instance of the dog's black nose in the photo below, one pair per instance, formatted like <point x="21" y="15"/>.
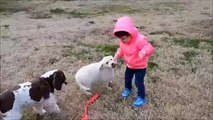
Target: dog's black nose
<point x="113" y="65"/>
<point x="65" y="83"/>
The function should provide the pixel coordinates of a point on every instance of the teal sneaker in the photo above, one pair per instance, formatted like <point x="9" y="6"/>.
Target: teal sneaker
<point x="139" y="102"/>
<point x="126" y="92"/>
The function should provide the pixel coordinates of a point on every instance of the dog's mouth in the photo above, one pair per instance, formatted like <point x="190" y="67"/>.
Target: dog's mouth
<point x="113" y="65"/>
<point x="60" y="86"/>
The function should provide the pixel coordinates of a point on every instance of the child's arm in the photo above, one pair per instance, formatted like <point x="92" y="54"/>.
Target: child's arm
<point x="118" y="54"/>
<point x="146" y="48"/>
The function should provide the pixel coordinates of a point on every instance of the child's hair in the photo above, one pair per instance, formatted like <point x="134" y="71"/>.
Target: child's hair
<point x="121" y="33"/>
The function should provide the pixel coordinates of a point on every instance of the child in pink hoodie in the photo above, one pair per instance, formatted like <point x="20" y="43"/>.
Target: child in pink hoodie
<point x="135" y="50"/>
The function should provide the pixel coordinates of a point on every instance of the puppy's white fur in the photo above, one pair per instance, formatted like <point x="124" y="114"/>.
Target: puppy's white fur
<point x="100" y="71"/>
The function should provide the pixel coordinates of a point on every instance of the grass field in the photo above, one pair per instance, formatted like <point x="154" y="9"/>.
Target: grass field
<point x="38" y="36"/>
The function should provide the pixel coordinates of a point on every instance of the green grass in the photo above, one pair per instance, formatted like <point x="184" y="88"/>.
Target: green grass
<point x="164" y="32"/>
<point x="190" y="42"/>
<point x="209" y="41"/>
<point x="75" y="13"/>
<point x="189" y="55"/>
<point x="124" y="9"/>
<point x="40" y="14"/>
<point x="58" y="11"/>
<point x="90" y="52"/>
<point x="102" y="11"/>
<point x="155" y="55"/>
<point x="80" y="54"/>
<point x="94" y="12"/>
<point x="154" y="44"/>
<point x="10" y="6"/>
<point x="189" y="58"/>
<point x="108" y="49"/>
<point x="153" y="99"/>
<point x="28" y="114"/>
<point x="6" y="26"/>
<point x="153" y="79"/>
<point x="152" y="65"/>
<point x="119" y="9"/>
<point x="196" y="43"/>
<point x="167" y="7"/>
<point x="185" y="42"/>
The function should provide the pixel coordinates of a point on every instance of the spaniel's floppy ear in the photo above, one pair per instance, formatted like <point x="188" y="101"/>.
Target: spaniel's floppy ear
<point x="58" y="79"/>
<point x="44" y="88"/>
<point x="6" y="101"/>
<point x="0" y="102"/>
<point x="40" y="88"/>
<point x="1" y="105"/>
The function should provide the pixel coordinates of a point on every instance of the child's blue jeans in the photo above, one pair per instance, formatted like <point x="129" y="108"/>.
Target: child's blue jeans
<point x="139" y="80"/>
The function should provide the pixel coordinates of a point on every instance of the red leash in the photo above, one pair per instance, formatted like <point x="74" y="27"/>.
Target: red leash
<point x="92" y="99"/>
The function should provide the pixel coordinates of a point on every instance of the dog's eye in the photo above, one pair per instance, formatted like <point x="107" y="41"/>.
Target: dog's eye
<point x="110" y="59"/>
<point x="107" y="62"/>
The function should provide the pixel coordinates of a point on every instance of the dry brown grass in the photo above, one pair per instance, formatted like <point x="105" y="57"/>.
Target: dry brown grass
<point x="179" y="83"/>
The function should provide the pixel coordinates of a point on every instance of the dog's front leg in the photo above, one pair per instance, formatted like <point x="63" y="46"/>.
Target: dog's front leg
<point x="12" y="115"/>
<point x="38" y="108"/>
<point x="54" y="108"/>
<point x="87" y="92"/>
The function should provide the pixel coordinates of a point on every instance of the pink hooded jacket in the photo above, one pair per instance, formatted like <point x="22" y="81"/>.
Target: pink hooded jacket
<point x="130" y="52"/>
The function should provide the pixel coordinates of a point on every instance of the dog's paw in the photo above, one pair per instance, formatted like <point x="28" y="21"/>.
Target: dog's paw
<point x="39" y="110"/>
<point x="110" y="86"/>
<point x="42" y="112"/>
<point x="88" y="93"/>
<point x="55" y="109"/>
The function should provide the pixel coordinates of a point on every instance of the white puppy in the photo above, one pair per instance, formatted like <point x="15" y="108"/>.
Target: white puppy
<point x="102" y="71"/>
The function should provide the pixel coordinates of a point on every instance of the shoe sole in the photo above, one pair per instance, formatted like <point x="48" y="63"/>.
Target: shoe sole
<point x="139" y="105"/>
<point x="126" y="96"/>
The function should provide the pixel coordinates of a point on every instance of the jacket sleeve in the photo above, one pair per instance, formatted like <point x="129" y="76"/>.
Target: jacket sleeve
<point x="145" y="47"/>
<point x="118" y="54"/>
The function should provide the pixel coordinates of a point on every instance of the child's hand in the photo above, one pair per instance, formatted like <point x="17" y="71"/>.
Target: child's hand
<point x="141" y="55"/>
<point x="115" y="60"/>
